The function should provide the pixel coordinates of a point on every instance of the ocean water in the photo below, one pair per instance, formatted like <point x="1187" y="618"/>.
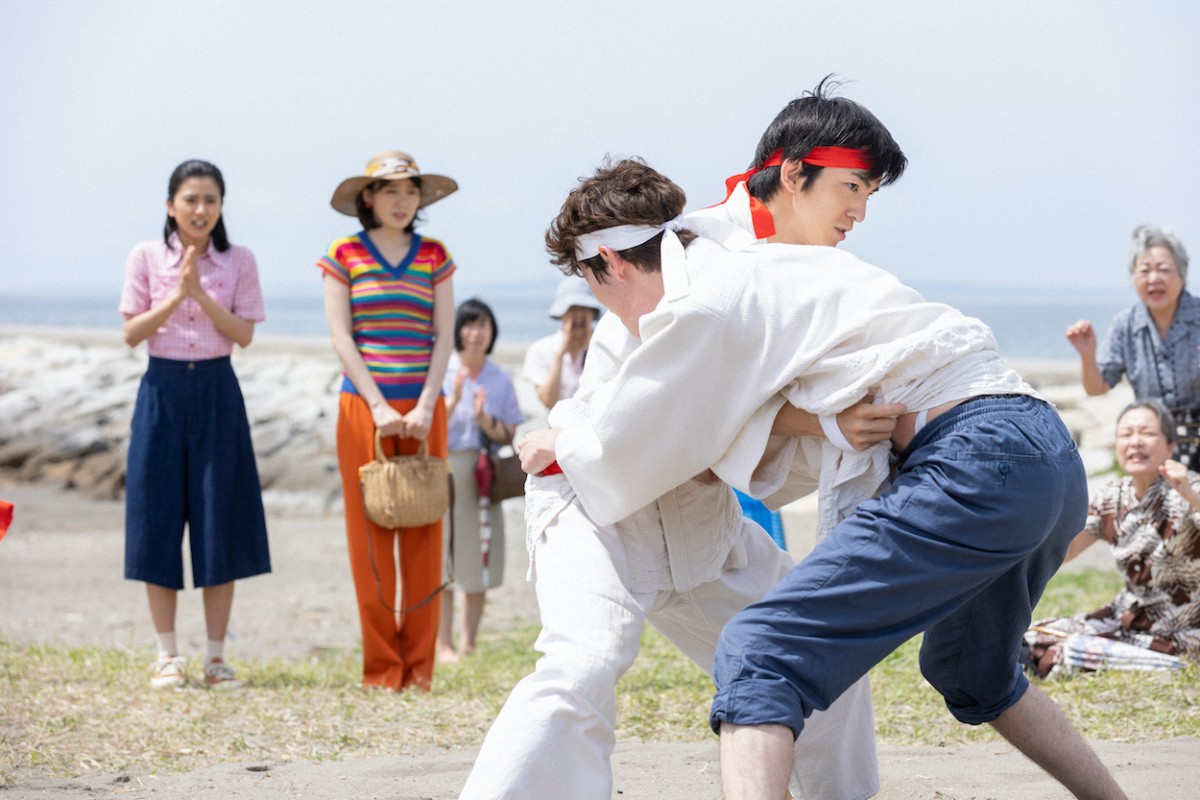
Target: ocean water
<point x="1027" y="323"/>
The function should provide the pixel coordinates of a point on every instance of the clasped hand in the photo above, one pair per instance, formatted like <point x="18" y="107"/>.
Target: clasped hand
<point x="390" y="422"/>
<point x="189" y="276"/>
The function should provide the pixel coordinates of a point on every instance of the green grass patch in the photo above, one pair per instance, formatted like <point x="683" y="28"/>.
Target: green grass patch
<point x="1119" y="706"/>
<point x="69" y="711"/>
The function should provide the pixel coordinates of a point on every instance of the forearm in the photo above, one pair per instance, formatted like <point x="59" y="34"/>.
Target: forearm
<point x="1082" y="541"/>
<point x="443" y="344"/>
<point x="1192" y="498"/>
<point x="860" y="426"/>
<point x="1093" y="382"/>
<point x="140" y="327"/>
<point x="439" y="357"/>
<point x="496" y="431"/>
<point x="356" y="369"/>
<point x="792" y="421"/>
<point x="241" y="331"/>
<point x="549" y="389"/>
<point x="341" y="335"/>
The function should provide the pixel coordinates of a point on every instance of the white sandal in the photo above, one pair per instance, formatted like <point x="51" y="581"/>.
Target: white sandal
<point x="169" y="672"/>
<point x="219" y="675"/>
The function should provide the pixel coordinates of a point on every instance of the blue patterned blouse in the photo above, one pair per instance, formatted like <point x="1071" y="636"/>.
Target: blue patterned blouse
<point x="1157" y="369"/>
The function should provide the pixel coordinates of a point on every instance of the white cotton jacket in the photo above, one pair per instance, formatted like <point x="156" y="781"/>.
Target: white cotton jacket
<point x="741" y="329"/>
<point x="685" y="537"/>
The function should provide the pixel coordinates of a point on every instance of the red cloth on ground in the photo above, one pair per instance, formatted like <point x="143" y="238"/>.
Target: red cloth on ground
<point x="6" y="516"/>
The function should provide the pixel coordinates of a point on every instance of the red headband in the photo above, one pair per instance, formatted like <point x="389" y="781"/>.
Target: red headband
<point x="843" y="157"/>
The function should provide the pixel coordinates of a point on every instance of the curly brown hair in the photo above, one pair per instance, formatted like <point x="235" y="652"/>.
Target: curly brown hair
<point x="629" y="192"/>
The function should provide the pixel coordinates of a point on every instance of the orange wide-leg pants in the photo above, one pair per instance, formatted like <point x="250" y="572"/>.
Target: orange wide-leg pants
<point x="398" y="648"/>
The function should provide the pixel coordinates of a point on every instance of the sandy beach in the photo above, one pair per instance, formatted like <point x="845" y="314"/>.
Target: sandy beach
<point x="61" y="562"/>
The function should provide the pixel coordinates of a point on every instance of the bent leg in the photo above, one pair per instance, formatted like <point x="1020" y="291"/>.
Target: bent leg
<point x="1037" y="727"/>
<point x="967" y="507"/>
<point x="835" y="758"/>
<point x="555" y="735"/>
<point x="754" y="761"/>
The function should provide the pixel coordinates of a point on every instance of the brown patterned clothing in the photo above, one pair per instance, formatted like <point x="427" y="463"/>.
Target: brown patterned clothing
<point x="1156" y="543"/>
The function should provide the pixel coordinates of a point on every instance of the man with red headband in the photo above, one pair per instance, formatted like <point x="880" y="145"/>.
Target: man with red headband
<point x="685" y="561"/>
<point x="731" y="331"/>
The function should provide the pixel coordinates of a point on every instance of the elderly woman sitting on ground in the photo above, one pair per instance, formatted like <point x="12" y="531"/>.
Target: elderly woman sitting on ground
<point x="1150" y="518"/>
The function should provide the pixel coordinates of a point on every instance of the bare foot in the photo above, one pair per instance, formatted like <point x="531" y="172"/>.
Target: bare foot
<point x="447" y="655"/>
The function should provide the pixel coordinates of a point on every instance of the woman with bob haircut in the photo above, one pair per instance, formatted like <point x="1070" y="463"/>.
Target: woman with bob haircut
<point x="483" y="414"/>
<point x="1155" y="342"/>
<point x="191" y="297"/>
<point x="389" y="303"/>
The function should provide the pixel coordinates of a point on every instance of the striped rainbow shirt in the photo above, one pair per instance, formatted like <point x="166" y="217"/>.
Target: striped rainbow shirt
<point x="391" y="308"/>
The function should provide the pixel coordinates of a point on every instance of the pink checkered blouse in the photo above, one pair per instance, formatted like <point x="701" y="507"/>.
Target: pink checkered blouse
<point x="231" y="278"/>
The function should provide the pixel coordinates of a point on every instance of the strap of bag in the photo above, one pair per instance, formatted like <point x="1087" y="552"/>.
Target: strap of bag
<point x="399" y="571"/>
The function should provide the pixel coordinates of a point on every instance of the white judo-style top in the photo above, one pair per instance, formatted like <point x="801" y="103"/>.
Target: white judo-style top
<point x="684" y="537"/>
<point x="740" y="331"/>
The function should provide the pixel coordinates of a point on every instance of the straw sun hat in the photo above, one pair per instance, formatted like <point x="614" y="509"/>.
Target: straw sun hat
<point x="390" y="165"/>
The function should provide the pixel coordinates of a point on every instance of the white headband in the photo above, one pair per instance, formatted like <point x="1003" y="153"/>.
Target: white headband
<point x="621" y="237"/>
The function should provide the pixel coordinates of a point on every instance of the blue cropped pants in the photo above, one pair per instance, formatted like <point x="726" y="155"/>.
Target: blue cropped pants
<point x="191" y="462"/>
<point x="985" y="501"/>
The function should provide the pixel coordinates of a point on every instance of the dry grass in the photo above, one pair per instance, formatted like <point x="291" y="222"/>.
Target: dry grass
<point x="72" y="711"/>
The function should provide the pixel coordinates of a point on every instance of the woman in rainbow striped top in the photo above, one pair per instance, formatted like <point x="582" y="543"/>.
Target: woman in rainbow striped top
<point x="389" y="302"/>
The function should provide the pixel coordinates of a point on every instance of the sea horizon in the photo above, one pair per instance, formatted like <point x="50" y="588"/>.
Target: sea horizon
<point x="1027" y="323"/>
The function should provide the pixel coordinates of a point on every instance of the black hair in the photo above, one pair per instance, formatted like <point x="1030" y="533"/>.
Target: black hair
<point x="817" y="119"/>
<point x="366" y="215"/>
<point x="468" y="312"/>
<point x="196" y="168"/>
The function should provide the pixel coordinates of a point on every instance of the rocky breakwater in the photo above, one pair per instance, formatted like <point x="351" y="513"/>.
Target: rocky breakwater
<point x="66" y="398"/>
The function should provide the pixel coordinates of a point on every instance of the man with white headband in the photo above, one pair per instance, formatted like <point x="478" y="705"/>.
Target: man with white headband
<point x="686" y="562"/>
<point x="988" y="491"/>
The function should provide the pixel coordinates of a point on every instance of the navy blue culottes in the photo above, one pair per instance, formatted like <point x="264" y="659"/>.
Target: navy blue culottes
<point x="191" y="461"/>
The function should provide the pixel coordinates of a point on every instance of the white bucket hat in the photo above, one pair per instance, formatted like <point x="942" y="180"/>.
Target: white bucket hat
<point x="573" y="291"/>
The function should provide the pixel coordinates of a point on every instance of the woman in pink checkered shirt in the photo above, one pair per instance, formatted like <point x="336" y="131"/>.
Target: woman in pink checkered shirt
<point x="191" y="297"/>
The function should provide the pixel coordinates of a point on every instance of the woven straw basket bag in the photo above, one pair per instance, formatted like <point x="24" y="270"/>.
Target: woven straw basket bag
<point x="404" y="491"/>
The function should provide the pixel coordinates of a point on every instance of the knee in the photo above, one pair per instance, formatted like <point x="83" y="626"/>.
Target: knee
<point x="974" y="696"/>
<point x="727" y="660"/>
<point x="587" y="667"/>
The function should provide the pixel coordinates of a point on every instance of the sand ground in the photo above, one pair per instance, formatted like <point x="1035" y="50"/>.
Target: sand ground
<point x="59" y="582"/>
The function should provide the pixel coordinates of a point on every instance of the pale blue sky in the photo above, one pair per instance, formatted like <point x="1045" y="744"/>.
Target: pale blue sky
<point x="1039" y="133"/>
